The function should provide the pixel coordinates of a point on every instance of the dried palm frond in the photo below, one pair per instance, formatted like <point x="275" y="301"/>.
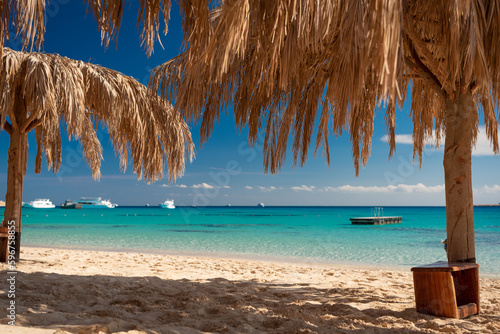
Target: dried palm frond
<point x="287" y="61"/>
<point x="286" y="65"/>
<point x="108" y="14"/>
<point x="29" y="20"/>
<point x="28" y="17"/>
<point x="43" y="91"/>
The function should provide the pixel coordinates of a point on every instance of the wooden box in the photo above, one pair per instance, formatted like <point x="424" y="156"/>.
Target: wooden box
<point x="447" y="289"/>
<point x="4" y="244"/>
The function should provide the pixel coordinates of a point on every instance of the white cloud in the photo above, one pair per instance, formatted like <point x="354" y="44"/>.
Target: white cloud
<point x="362" y="189"/>
<point x="420" y="188"/>
<point x="406" y="139"/>
<point x="304" y="188"/>
<point x="227" y="187"/>
<point x="265" y="189"/>
<point x="406" y="188"/>
<point x="401" y="188"/>
<point x="248" y="187"/>
<point x="483" y="146"/>
<point x="175" y="185"/>
<point x="202" y="185"/>
<point x="489" y="190"/>
<point x="400" y="139"/>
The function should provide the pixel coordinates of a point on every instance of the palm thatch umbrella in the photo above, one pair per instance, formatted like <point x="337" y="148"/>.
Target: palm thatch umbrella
<point x="282" y="62"/>
<point x="41" y="92"/>
<point x="286" y="64"/>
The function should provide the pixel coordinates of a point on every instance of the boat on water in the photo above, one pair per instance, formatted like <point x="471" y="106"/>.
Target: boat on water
<point x="260" y="205"/>
<point x="69" y="204"/>
<point x="168" y="204"/>
<point x="89" y="203"/>
<point x="40" y="203"/>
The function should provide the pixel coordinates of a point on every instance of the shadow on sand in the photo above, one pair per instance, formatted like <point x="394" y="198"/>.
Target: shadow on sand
<point x="90" y="304"/>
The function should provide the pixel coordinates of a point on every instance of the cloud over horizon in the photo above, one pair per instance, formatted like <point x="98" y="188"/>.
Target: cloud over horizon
<point x="265" y="189"/>
<point x="406" y="188"/>
<point x="304" y="188"/>
<point x="175" y="185"/>
<point x="202" y="185"/>
<point x="490" y="190"/>
<point x="483" y="146"/>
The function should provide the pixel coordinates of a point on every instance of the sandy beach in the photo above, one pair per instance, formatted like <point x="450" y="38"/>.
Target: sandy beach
<point x="70" y="291"/>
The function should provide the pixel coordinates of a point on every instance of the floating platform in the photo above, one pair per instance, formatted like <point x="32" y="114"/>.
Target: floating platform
<point x="376" y="220"/>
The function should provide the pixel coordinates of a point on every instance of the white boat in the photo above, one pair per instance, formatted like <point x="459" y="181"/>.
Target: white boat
<point x="260" y="205"/>
<point x="168" y="204"/>
<point x="89" y="203"/>
<point x="40" y="203"/>
<point x="108" y="204"/>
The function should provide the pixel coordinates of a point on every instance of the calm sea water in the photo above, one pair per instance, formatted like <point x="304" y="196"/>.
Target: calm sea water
<point x="302" y="234"/>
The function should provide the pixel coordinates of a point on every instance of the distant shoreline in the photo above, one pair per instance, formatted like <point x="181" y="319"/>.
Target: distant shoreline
<point x="287" y="206"/>
<point x="2" y="204"/>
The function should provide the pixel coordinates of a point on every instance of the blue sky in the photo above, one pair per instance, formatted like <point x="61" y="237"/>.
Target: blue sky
<point x="226" y="170"/>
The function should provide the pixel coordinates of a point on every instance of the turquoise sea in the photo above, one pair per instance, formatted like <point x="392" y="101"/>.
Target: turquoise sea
<point x="292" y="234"/>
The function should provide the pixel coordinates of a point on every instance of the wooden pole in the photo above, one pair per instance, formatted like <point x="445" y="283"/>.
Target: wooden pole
<point x="460" y="122"/>
<point x="15" y="178"/>
<point x="18" y="151"/>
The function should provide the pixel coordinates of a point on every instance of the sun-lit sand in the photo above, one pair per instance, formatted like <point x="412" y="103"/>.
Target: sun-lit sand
<point x="60" y="291"/>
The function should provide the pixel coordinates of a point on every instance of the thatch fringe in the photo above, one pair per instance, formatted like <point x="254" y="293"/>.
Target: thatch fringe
<point x="108" y="14"/>
<point x="28" y="18"/>
<point x="284" y="62"/>
<point x="281" y="63"/>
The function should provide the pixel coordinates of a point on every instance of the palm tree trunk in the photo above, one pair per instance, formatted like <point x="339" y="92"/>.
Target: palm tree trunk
<point x="15" y="176"/>
<point x="460" y="122"/>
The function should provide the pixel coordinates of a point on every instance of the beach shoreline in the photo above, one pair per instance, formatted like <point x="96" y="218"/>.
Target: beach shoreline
<point x="283" y="260"/>
<point x="79" y="291"/>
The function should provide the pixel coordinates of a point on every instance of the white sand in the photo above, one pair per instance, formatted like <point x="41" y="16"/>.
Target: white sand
<point x="60" y="291"/>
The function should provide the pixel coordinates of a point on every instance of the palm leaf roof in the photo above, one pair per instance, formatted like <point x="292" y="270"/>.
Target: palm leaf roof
<point x="45" y="91"/>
